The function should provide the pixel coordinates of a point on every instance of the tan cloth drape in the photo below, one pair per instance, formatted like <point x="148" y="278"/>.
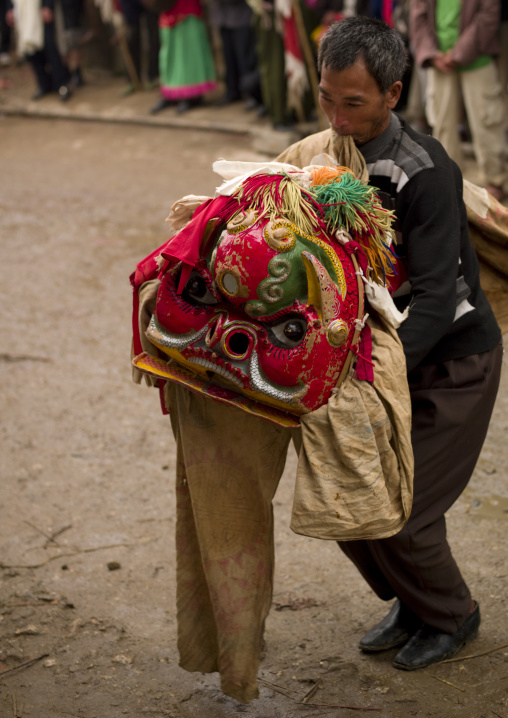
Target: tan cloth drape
<point x="229" y="464"/>
<point x="342" y="149"/>
<point x="355" y="470"/>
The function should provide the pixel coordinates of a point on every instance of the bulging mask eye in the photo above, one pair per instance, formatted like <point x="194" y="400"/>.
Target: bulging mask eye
<point x="288" y="332"/>
<point x="196" y="291"/>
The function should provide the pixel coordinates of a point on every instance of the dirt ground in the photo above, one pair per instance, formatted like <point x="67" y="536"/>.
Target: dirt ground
<point x="87" y="604"/>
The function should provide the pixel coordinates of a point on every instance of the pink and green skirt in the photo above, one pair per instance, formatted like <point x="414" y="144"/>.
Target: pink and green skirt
<point x="186" y="66"/>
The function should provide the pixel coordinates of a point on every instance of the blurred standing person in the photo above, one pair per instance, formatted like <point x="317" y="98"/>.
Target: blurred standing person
<point x="457" y="41"/>
<point x="5" y="35"/>
<point x="281" y="29"/>
<point x="72" y="11"/>
<point x="135" y="14"/>
<point x="186" y="67"/>
<point x="233" y="19"/>
<point x="270" y="50"/>
<point x="36" y="40"/>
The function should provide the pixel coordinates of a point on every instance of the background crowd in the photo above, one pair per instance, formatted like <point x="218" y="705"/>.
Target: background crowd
<point x="263" y="52"/>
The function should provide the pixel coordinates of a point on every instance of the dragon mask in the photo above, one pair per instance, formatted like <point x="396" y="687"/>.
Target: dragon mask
<point x="261" y="296"/>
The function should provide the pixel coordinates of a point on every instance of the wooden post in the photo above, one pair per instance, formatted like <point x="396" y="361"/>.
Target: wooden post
<point x="127" y="58"/>
<point x="309" y="59"/>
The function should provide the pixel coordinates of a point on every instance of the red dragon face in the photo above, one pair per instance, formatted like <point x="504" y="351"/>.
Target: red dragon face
<point x="268" y="312"/>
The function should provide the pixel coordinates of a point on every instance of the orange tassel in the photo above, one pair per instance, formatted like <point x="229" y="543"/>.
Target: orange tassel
<point x="325" y="175"/>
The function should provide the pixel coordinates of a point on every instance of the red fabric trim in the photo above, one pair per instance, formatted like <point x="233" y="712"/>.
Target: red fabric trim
<point x="161" y="384"/>
<point x="364" y="364"/>
<point x="146" y="269"/>
<point x="136" y="339"/>
<point x="184" y="247"/>
<point x="387" y="12"/>
<point x="291" y="40"/>
<point x="181" y="10"/>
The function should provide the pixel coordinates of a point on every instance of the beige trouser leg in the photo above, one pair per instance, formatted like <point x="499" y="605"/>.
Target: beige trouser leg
<point x="443" y="110"/>
<point x="484" y="106"/>
<point x="415" y="111"/>
<point x="229" y="466"/>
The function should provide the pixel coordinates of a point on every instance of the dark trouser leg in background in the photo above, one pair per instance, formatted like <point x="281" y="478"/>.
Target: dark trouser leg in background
<point x="59" y="72"/>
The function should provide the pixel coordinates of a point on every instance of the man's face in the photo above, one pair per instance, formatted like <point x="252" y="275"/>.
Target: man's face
<point x="354" y="104"/>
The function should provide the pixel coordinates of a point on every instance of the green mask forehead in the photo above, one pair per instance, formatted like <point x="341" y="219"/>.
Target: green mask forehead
<point x="261" y="266"/>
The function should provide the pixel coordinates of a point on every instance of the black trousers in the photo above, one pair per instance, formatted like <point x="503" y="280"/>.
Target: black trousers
<point x="5" y="30"/>
<point x="134" y="12"/>
<point x="452" y="404"/>
<point x="71" y="11"/>
<point x="49" y="69"/>
<point x="239" y="50"/>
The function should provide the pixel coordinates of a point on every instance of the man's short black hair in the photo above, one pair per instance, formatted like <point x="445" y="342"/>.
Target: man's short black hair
<point x="378" y="45"/>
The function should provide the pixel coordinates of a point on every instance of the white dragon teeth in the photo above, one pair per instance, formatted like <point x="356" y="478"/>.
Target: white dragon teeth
<point x="173" y="341"/>
<point x="218" y="369"/>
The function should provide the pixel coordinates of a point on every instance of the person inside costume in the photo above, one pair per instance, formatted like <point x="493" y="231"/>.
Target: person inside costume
<point x="267" y="317"/>
<point x="450" y="337"/>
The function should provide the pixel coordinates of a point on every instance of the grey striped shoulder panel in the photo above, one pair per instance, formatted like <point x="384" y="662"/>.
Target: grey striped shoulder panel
<point x="406" y="160"/>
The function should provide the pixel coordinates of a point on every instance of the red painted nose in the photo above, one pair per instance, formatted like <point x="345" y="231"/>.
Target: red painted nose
<point x="237" y="343"/>
<point x="235" y="340"/>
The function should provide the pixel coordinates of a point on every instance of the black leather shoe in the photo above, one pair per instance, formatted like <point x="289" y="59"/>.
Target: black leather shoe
<point x="395" y="629"/>
<point x="251" y="104"/>
<point x="226" y="100"/>
<point x="185" y="105"/>
<point x="428" y="645"/>
<point x="76" y="78"/>
<point x="161" y="104"/>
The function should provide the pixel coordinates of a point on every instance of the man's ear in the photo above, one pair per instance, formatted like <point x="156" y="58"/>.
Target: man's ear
<point x="393" y="94"/>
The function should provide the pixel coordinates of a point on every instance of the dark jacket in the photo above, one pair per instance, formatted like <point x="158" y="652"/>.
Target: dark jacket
<point x="449" y="316"/>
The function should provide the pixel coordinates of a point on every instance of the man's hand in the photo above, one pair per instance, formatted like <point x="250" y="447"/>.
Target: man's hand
<point x="9" y="18"/>
<point x="444" y="62"/>
<point x="47" y="14"/>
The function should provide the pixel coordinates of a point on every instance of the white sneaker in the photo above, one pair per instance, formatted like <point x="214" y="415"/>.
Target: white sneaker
<point x="5" y="59"/>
